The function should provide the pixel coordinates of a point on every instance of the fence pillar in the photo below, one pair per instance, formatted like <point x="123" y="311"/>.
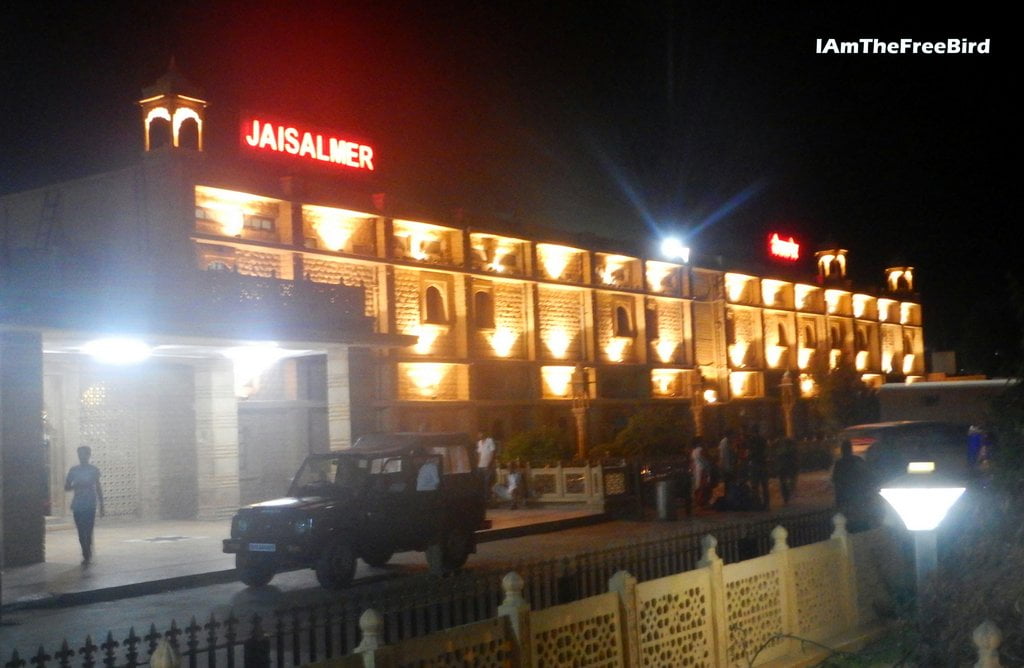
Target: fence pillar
<point x="787" y="588"/>
<point x="165" y="656"/>
<point x="624" y="585"/>
<point x="256" y="648"/>
<point x="515" y="607"/>
<point x="845" y="570"/>
<point x="371" y="644"/>
<point x="711" y="561"/>
<point x="987" y="638"/>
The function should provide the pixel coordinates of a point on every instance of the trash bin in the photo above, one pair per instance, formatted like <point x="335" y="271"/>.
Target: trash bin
<point x="665" y="498"/>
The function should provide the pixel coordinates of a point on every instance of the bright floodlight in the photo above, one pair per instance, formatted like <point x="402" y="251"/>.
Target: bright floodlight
<point x="920" y="499"/>
<point x="673" y="249"/>
<point x="117" y="350"/>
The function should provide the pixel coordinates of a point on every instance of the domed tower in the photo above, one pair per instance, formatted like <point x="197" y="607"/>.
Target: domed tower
<point x="831" y="266"/>
<point x="899" y="280"/>
<point x="173" y="111"/>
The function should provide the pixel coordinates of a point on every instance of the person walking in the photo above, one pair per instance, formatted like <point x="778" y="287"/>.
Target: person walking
<point x="788" y="460"/>
<point x="700" y="467"/>
<point x="727" y="460"/>
<point x="855" y="488"/>
<point x="84" y="480"/>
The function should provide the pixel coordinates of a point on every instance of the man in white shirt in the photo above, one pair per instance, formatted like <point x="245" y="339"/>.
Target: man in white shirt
<point x="485" y="461"/>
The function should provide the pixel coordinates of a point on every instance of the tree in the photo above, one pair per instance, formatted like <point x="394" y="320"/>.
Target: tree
<point x="537" y="446"/>
<point x="650" y="432"/>
<point x="843" y="398"/>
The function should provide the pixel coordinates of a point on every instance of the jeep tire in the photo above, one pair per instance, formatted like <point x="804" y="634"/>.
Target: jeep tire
<point x="336" y="566"/>
<point x="254" y="570"/>
<point x="450" y="552"/>
<point x="377" y="558"/>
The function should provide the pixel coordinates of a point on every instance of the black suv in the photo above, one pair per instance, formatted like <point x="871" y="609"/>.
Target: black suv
<point x="387" y="494"/>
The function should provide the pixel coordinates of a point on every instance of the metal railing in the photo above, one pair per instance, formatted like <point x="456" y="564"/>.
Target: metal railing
<point x="419" y="605"/>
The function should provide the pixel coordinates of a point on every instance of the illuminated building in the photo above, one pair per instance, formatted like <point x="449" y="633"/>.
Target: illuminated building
<point x="283" y="314"/>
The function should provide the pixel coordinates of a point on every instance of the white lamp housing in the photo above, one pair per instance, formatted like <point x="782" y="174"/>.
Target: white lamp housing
<point x="117" y="350"/>
<point x="921" y="499"/>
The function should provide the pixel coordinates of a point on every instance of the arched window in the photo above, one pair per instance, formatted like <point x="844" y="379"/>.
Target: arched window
<point x="623" y="326"/>
<point x="835" y="340"/>
<point x="862" y="340"/>
<point x="809" y="340"/>
<point x="483" y="310"/>
<point x="434" y="301"/>
<point x="908" y="344"/>
<point x="159" y="133"/>
<point x="783" y="338"/>
<point x="188" y="134"/>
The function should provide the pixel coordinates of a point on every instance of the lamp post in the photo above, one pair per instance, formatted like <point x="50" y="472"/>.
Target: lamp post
<point x="921" y="499"/>
<point x="580" y="404"/>
<point x="788" y="401"/>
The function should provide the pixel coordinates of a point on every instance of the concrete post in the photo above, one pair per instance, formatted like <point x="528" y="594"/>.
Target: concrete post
<point x="624" y="585"/>
<point x="987" y="638"/>
<point x="787" y="588"/>
<point x="711" y="561"/>
<point x="515" y="607"/>
<point x="845" y="570"/>
<point x="339" y="400"/>
<point x="216" y="439"/>
<point x="22" y="456"/>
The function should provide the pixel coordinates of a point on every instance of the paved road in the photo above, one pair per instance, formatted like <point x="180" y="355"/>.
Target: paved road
<point x="26" y="630"/>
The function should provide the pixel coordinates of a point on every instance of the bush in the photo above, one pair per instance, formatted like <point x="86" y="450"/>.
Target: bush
<point x="649" y="432"/>
<point x="537" y="446"/>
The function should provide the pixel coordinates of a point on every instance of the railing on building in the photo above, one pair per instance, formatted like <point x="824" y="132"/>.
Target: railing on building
<point x="784" y="606"/>
<point x="417" y="606"/>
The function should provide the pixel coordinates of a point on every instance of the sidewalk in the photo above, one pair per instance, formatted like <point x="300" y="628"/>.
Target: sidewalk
<point x="135" y="558"/>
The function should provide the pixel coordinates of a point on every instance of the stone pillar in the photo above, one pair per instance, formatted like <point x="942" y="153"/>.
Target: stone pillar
<point x="339" y="400"/>
<point x="23" y="474"/>
<point x="216" y="439"/>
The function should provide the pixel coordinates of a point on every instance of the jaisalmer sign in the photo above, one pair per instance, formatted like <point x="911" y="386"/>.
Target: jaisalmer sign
<point x="305" y="143"/>
<point x="784" y="249"/>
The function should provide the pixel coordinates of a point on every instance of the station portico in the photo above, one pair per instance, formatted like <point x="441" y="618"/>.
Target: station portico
<point x="285" y="311"/>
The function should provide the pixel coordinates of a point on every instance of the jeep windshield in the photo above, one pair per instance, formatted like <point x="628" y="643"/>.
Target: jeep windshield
<point x="331" y="476"/>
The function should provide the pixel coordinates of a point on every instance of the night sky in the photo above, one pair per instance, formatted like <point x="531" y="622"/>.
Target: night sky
<point x="714" y="119"/>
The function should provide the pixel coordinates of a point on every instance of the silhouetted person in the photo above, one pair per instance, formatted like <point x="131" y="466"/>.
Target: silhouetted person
<point x="84" y="480"/>
<point x="855" y="488"/>
<point x="757" y="449"/>
<point x="788" y="460"/>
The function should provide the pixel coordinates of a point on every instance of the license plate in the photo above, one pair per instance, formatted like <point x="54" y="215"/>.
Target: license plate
<point x="262" y="547"/>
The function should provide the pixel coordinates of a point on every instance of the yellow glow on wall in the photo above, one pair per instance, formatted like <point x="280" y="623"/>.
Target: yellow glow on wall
<point x="770" y="290"/>
<point x="419" y="237"/>
<point x="557" y="380"/>
<point x="833" y="300"/>
<point x="773" y="355"/>
<point x="735" y="284"/>
<point x="426" y="377"/>
<point x="883" y="309"/>
<point x="738" y="353"/>
<point x="427" y="336"/>
<point x="229" y="207"/>
<point x="666" y="349"/>
<point x="861" y="360"/>
<point x="555" y="259"/>
<point x="887" y="358"/>
<point x="616" y="348"/>
<point x="908" y="363"/>
<point x="825" y="263"/>
<point x="834" y="356"/>
<point x="906" y="312"/>
<point x="897" y="273"/>
<point x="665" y="382"/>
<point x="612" y="272"/>
<point x="710" y="396"/>
<point x="333" y="226"/>
<point x="802" y="294"/>
<point x="557" y="342"/>
<point x="657" y="273"/>
<point x="804" y="357"/>
<point x="502" y="341"/>
<point x="860" y="305"/>
<point x="808" y="388"/>
<point x="739" y="384"/>
<point x="872" y="380"/>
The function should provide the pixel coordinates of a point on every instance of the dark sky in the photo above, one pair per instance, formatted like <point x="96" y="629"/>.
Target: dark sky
<point x="715" y="118"/>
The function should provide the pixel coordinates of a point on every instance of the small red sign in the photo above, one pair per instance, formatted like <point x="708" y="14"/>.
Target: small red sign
<point x="784" y="249"/>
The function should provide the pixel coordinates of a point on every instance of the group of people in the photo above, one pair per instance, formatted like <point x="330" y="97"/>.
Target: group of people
<point x="513" y="490"/>
<point x="741" y="466"/>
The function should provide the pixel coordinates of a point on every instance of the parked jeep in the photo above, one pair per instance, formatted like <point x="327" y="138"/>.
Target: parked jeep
<point x="388" y="493"/>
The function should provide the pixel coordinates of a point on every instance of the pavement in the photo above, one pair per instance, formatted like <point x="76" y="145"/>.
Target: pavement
<point x="138" y="558"/>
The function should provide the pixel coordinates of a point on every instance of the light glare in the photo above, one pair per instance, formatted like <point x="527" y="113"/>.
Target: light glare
<point x="117" y="350"/>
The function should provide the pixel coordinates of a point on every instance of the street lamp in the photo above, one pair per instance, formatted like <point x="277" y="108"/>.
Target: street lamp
<point x="921" y="499"/>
